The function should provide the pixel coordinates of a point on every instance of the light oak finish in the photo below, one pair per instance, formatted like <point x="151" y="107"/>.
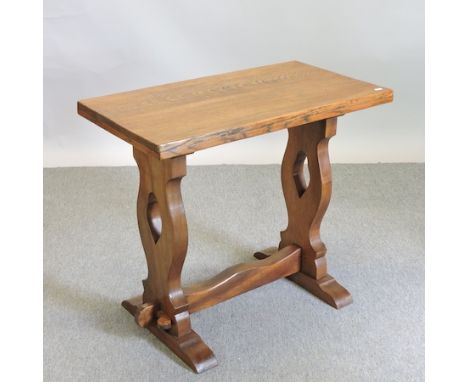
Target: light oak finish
<point x="190" y="348"/>
<point x="144" y="314"/>
<point x="184" y="117"/>
<point x="163" y="231"/>
<point x="241" y="278"/>
<point x="165" y="123"/>
<point x="163" y="320"/>
<point x="306" y="207"/>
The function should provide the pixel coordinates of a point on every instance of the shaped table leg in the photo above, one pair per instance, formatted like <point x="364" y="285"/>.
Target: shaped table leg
<point x="306" y="205"/>
<point x="163" y="308"/>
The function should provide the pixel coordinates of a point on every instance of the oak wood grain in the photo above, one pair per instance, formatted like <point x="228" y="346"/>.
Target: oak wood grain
<point x="163" y="321"/>
<point x="306" y="206"/>
<point x="144" y="314"/>
<point x="164" y="235"/>
<point x="241" y="278"/>
<point x="184" y="117"/>
<point x="167" y="122"/>
<point x="190" y="348"/>
<point x="163" y="307"/>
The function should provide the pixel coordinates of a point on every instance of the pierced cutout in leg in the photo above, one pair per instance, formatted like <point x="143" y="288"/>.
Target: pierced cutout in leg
<point x="163" y="308"/>
<point x="306" y="205"/>
<point x="298" y="173"/>
<point x="154" y="217"/>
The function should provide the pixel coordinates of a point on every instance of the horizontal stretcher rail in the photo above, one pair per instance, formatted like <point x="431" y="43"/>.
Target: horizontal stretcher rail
<point x="241" y="278"/>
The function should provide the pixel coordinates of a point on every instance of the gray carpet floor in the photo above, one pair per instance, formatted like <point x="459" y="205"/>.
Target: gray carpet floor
<point x="374" y="231"/>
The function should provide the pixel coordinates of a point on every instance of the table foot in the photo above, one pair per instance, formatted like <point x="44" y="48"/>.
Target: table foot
<point x="190" y="348"/>
<point x="326" y="288"/>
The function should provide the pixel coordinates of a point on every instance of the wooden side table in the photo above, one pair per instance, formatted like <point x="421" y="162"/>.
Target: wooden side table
<point x="166" y="123"/>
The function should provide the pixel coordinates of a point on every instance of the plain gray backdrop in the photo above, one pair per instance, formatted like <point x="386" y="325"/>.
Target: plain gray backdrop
<point x="94" y="48"/>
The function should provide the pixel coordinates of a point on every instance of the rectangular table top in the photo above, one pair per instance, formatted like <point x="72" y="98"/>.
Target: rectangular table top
<point x="183" y="117"/>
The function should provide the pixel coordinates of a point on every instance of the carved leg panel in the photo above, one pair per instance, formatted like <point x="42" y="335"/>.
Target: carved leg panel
<point x="163" y="308"/>
<point x="306" y="205"/>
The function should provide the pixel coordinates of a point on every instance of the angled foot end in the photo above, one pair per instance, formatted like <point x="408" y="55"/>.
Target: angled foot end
<point x="190" y="348"/>
<point x="326" y="289"/>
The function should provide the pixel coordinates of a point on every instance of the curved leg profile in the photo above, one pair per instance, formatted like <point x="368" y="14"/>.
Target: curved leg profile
<point x="306" y="205"/>
<point x="163" y="308"/>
